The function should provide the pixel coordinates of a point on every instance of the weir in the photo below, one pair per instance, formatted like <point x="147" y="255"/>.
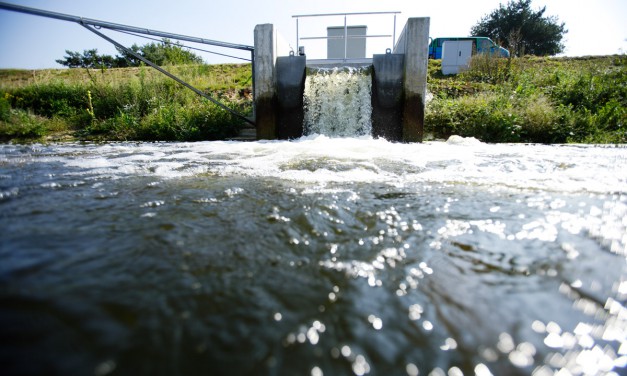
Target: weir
<point x="337" y="101"/>
<point x="383" y="96"/>
<point x="290" y="97"/>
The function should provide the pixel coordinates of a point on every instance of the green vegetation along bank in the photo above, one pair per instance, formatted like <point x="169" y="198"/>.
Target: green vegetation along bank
<point x="529" y="99"/>
<point x="122" y="104"/>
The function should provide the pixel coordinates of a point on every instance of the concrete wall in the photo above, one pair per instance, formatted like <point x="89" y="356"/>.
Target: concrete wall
<point x="290" y="86"/>
<point x="268" y="46"/>
<point x="387" y="96"/>
<point x="414" y="44"/>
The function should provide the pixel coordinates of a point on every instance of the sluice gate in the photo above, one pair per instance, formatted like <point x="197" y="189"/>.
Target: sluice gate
<point x="397" y="91"/>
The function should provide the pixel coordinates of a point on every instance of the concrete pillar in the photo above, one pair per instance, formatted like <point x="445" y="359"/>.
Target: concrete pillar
<point x="265" y="92"/>
<point x="290" y="73"/>
<point x="387" y="96"/>
<point x="268" y="45"/>
<point x="414" y="43"/>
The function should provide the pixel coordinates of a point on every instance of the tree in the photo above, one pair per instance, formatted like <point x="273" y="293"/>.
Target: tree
<point x="522" y="30"/>
<point x="164" y="53"/>
<point x="89" y="59"/>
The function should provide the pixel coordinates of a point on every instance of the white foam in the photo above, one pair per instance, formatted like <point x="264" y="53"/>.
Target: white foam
<point x="459" y="140"/>
<point x="322" y="159"/>
<point x="337" y="102"/>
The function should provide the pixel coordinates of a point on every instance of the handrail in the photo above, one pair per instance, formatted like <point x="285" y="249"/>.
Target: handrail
<point x="349" y="37"/>
<point x="341" y="14"/>
<point x="346" y="36"/>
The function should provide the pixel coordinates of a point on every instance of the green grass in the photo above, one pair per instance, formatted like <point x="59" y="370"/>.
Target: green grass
<point x="530" y="99"/>
<point x="123" y="104"/>
<point x="540" y="100"/>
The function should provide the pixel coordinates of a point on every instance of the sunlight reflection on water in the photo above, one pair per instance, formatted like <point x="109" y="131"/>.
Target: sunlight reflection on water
<point x="318" y="256"/>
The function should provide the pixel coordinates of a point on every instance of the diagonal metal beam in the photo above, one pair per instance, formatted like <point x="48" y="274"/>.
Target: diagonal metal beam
<point x="120" y="27"/>
<point x="148" y="62"/>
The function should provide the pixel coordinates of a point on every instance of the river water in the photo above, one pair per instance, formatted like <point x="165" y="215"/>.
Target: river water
<point x="319" y="256"/>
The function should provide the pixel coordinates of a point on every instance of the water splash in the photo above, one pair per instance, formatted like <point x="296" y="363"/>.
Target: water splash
<point x="337" y="102"/>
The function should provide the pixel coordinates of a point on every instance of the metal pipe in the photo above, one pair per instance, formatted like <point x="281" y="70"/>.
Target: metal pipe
<point x="297" y="39"/>
<point x="114" y="26"/>
<point x="252" y="69"/>
<point x="345" y="37"/>
<point x="394" y="33"/>
<point x="349" y="37"/>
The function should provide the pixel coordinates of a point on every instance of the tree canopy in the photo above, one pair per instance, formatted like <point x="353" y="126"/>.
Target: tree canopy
<point x="522" y="30"/>
<point x="163" y="53"/>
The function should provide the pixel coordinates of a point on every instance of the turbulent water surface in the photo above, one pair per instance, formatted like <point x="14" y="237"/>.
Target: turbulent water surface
<point x="337" y="102"/>
<point x="320" y="256"/>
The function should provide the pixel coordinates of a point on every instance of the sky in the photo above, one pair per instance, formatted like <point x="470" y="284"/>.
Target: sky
<point x="595" y="27"/>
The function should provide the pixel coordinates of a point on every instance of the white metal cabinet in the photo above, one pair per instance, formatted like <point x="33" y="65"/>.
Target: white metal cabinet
<point x="455" y="55"/>
<point x="355" y="44"/>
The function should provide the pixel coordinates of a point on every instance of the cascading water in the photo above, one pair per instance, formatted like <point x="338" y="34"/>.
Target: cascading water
<point x="337" y="102"/>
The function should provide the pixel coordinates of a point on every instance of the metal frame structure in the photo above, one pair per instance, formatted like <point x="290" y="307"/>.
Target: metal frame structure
<point x="346" y="36"/>
<point x="92" y="25"/>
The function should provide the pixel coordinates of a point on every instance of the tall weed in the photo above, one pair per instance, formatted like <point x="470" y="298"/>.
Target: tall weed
<point x="192" y="123"/>
<point x="487" y="68"/>
<point x="56" y="98"/>
<point x="22" y="125"/>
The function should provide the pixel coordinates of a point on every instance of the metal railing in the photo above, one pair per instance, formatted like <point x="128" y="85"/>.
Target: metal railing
<point x="345" y="36"/>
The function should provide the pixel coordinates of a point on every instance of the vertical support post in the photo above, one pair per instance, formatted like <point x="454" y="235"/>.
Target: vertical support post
<point x="345" y="37"/>
<point x="268" y="45"/>
<point x="394" y="33"/>
<point x="252" y="63"/>
<point x="264" y="77"/>
<point x="414" y="43"/>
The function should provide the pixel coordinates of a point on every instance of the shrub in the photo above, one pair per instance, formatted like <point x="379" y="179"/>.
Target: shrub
<point x="192" y="123"/>
<point x="486" y="117"/>
<point x="498" y="118"/>
<point x="52" y="99"/>
<point x="539" y="121"/>
<point x="547" y="100"/>
<point x="487" y="68"/>
<point x="124" y="126"/>
<point x="22" y="125"/>
<point x="5" y="107"/>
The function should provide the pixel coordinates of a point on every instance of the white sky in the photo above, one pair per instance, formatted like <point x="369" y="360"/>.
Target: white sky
<point x="596" y="27"/>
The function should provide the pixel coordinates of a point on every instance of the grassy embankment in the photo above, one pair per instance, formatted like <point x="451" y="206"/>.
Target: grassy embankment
<point x="122" y="104"/>
<point x="548" y="100"/>
<point x="530" y="99"/>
